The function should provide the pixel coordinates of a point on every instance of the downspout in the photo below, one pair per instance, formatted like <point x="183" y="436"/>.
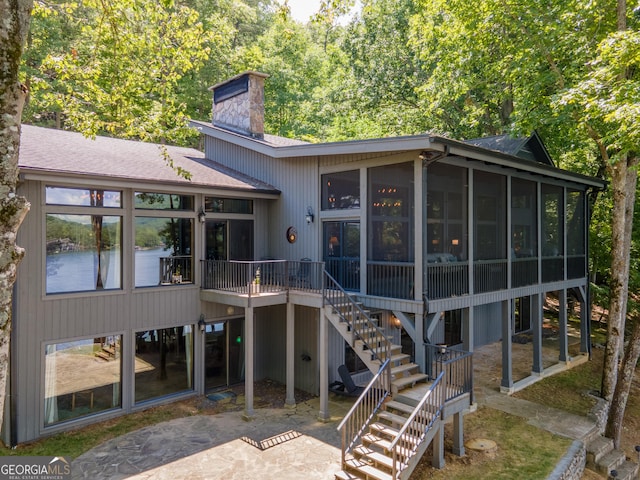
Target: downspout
<point x="428" y="157"/>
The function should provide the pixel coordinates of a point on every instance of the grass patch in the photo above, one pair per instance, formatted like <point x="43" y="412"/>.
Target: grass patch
<point x="570" y="388"/>
<point x="523" y="451"/>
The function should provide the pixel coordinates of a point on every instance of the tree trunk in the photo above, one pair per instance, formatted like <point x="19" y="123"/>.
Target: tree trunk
<point x="623" y="185"/>
<point x="623" y="386"/>
<point x="13" y="33"/>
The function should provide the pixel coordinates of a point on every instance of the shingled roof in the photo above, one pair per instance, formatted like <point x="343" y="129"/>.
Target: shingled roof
<point x="64" y="152"/>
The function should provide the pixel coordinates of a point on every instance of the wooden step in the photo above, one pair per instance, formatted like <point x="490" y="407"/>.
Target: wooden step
<point x="382" y="430"/>
<point x="404" y="382"/>
<point x="103" y="355"/>
<point x="383" y="443"/>
<point x="403" y="368"/>
<point x="400" y="406"/>
<point x="400" y="358"/>
<point x="377" y="458"/>
<point x="369" y="471"/>
<point x="392" y="418"/>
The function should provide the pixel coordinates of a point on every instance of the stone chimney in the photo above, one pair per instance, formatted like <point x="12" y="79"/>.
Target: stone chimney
<point x="238" y="104"/>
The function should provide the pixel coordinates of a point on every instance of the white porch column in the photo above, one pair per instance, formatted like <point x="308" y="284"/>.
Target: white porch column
<point x="323" y="414"/>
<point x="290" y="401"/>
<point x="248" y="358"/>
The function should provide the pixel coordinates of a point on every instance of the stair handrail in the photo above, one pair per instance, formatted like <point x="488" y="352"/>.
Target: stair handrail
<point x="334" y="291"/>
<point x="416" y="424"/>
<point x="364" y="410"/>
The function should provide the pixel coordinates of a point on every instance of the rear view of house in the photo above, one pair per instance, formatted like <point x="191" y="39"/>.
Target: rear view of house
<point x="279" y="259"/>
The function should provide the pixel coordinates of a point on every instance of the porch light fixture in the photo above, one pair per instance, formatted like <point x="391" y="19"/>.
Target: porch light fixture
<point x="396" y="321"/>
<point x="201" y="323"/>
<point x="309" y="216"/>
<point x="201" y="215"/>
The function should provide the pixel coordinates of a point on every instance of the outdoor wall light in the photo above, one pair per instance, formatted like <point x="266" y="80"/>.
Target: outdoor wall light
<point x="201" y="215"/>
<point x="309" y="216"/>
<point x="201" y="323"/>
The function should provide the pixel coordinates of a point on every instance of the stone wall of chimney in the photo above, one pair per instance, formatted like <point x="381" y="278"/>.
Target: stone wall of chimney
<point x="244" y="112"/>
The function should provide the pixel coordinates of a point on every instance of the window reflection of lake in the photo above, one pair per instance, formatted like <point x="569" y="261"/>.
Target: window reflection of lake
<point x="75" y="271"/>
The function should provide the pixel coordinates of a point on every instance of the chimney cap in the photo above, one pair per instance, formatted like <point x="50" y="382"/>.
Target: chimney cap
<point x="240" y="75"/>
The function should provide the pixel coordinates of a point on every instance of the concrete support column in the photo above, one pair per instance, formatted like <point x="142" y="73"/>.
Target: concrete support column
<point x="249" y="360"/>
<point x="563" y="333"/>
<point x="290" y="401"/>
<point x="507" y="355"/>
<point x="536" y="330"/>
<point x="323" y="414"/>
<point x="458" y="434"/>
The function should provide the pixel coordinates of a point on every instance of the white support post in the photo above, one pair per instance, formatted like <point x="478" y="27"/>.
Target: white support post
<point x="248" y="356"/>
<point x="291" y="399"/>
<point x="323" y="414"/>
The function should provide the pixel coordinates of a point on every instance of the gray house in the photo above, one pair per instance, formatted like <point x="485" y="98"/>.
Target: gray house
<point x="279" y="259"/>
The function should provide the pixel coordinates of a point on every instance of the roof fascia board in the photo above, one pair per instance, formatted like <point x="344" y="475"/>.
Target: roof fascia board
<point x="172" y="187"/>
<point x="396" y="144"/>
<point x="391" y="144"/>
<point x="509" y="161"/>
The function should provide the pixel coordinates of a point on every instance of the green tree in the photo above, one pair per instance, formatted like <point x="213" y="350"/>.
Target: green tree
<point x="13" y="34"/>
<point x="120" y="75"/>
<point x="568" y="69"/>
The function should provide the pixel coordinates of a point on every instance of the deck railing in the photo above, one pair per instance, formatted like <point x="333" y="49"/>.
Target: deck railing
<point x="418" y="426"/>
<point x="524" y="271"/>
<point x="356" y="423"/>
<point x="390" y="279"/>
<point x="489" y="275"/>
<point x="357" y="319"/>
<point x="176" y="269"/>
<point x="264" y="276"/>
<point x="457" y="366"/>
<point x="447" y="279"/>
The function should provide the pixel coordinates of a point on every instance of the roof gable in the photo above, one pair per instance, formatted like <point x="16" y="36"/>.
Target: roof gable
<point x="531" y="148"/>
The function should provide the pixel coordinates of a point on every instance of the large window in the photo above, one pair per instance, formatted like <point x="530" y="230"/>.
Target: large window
<point x="490" y="216"/>
<point x="163" y="251"/>
<point x="391" y="197"/>
<point x="163" y="362"/>
<point x="552" y="233"/>
<point x="524" y="233"/>
<point x="82" y="377"/>
<point x="341" y="190"/>
<point x="446" y="213"/>
<point x="228" y="205"/>
<point x="83" y="240"/>
<point x="163" y="244"/>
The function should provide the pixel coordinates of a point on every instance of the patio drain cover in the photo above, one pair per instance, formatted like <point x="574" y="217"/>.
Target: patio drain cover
<point x="481" y="445"/>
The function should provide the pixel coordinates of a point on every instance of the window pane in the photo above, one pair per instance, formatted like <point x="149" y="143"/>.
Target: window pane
<point x="164" y="362"/>
<point x="575" y="223"/>
<point x="391" y="213"/>
<point x="228" y="205"/>
<point x="524" y="232"/>
<point x="83" y="197"/>
<point x="163" y="252"/>
<point x="447" y="206"/>
<point x="490" y="216"/>
<point x="552" y="221"/>
<point x="69" y="395"/>
<point x="83" y="253"/>
<point x="341" y="190"/>
<point x="163" y="201"/>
